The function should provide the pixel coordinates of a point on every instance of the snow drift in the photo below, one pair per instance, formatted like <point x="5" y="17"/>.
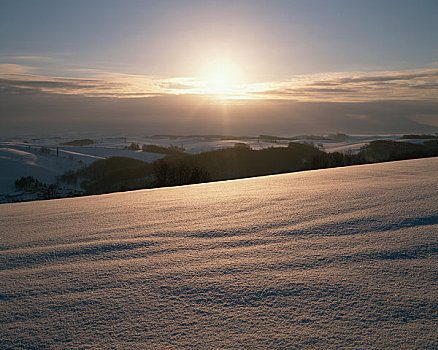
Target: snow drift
<point x="329" y="258"/>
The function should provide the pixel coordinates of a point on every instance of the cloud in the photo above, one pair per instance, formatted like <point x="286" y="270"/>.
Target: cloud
<point x="391" y="76"/>
<point x="48" y="84"/>
<point x="12" y="68"/>
<point x="10" y="64"/>
<point x="112" y="85"/>
<point x="356" y="87"/>
<point x="327" y="87"/>
<point x="27" y="58"/>
<point x="179" y="84"/>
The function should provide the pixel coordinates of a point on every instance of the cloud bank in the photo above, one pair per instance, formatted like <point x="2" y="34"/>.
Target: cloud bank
<point x="378" y="102"/>
<point x="356" y="87"/>
<point x="330" y="87"/>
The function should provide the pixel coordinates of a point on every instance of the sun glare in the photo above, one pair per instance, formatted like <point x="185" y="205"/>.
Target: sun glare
<point x="221" y="77"/>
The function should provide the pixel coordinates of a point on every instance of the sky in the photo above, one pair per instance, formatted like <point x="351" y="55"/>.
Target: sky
<point x="270" y="56"/>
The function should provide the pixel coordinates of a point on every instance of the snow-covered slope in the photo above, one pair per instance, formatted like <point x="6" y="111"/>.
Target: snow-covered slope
<point x="329" y="259"/>
<point x="19" y="159"/>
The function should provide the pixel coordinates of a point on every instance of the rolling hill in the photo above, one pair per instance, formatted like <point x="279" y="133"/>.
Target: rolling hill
<point x="333" y="258"/>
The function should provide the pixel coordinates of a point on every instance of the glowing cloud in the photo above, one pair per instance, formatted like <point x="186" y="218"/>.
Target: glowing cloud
<point x="223" y="80"/>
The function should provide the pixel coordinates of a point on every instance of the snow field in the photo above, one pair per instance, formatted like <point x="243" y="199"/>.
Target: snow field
<point x="334" y="258"/>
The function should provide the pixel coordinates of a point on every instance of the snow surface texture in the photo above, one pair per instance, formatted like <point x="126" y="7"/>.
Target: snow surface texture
<point x="329" y="259"/>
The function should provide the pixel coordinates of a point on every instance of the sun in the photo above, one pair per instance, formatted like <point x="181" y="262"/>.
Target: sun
<point x="221" y="77"/>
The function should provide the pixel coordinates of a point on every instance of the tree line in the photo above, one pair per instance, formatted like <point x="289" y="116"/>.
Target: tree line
<point x="122" y="173"/>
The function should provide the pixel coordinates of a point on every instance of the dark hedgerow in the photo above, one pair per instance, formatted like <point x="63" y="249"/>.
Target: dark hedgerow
<point x="178" y="168"/>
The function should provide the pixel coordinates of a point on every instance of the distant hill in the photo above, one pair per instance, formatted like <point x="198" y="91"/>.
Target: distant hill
<point x="419" y="137"/>
<point x="82" y="142"/>
<point x="178" y="168"/>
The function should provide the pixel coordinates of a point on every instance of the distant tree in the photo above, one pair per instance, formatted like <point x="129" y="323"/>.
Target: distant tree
<point x="419" y="137"/>
<point x="26" y="182"/>
<point x="160" y="169"/>
<point x="164" y="150"/>
<point x="242" y="145"/>
<point x="50" y="192"/>
<point x="180" y="171"/>
<point x="45" y="151"/>
<point x="134" y="146"/>
<point x="69" y="177"/>
<point x="29" y="183"/>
